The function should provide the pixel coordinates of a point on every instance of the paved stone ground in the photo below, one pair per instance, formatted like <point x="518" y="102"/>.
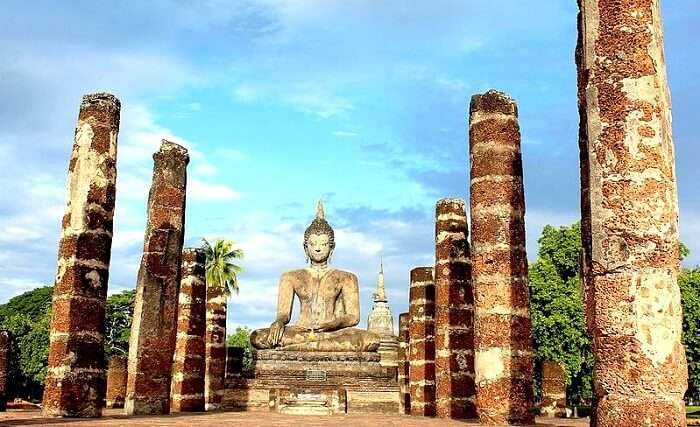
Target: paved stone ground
<point x="115" y="417"/>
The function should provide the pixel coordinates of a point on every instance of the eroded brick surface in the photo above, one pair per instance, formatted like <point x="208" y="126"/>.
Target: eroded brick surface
<point x="503" y="345"/>
<point x="553" y="402"/>
<point x="4" y="361"/>
<point x="421" y="350"/>
<point x="454" y="313"/>
<point x="630" y="215"/>
<point x="75" y="378"/>
<point x="116" y="381"/>
<point x="215" y="342"/>
<point x="188" y="362"/>
<point x="403" y="364"/>
<point x="153" y="330"/>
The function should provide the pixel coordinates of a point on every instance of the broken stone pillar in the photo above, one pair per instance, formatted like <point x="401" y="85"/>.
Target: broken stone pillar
<point x="454" y="313"/>
<point x="502" y="328"/>
<point x="553" y="402"/>
<point x="630" y="215"/>
<point x="421" y="354"/>
<point x="116" y="381"/>
<point x="152" y="340"/>
<point x="403" y="365"/>
<point x="4" y="362"/>
<point x="75" y="378"/>
<point x="188" y="362"/>
<point x="215" y="341"/>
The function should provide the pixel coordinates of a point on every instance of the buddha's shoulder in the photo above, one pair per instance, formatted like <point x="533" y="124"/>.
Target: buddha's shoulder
<point x="294" y="274"/>
<point x="342" y="274"/>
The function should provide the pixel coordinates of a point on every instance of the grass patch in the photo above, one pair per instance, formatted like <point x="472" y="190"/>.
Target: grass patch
<point x="693" y="411"/>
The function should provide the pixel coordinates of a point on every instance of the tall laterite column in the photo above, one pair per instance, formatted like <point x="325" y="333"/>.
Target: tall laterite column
<point x="629" y="216"/>
<point x="503" y="344"/>
<point x="75" y="379"/>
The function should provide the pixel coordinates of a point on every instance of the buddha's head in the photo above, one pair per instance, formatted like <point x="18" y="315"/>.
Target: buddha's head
<point x="319" y="239"/>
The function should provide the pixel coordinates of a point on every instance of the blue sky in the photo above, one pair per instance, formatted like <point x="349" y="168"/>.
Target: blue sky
<point x="281" y="102"/>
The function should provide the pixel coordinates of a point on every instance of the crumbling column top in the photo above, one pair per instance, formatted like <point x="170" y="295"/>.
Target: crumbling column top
<point x="101" y="101"/>
<point x="451" y="201"/>
<point x="420" y="275"/>
<point x="169" y="147"/>
<point x="493" y="101"/>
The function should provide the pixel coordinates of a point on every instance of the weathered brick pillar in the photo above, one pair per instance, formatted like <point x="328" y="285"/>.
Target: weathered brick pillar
<point x="421" y="351"/>
<point x="503" y="344"/>
<point x="75" y="379"/>
<point x="188" y="362"/>
<point x="553" y="402"/>
<point x="152" y="340"/>
<point x="215" y="341"/>
<point x="454" y="313"/>
<point x="630" y="207"/>
<point x="403" y="365"/>
<point x="4" y="362"/>
<point x="116" y="381"/>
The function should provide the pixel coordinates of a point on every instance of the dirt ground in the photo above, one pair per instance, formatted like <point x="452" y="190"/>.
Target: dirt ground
<point x="115" y="417"/>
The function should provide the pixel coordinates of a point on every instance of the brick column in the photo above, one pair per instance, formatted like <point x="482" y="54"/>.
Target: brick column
<point x="4" y="362"/>
<point x="503" y="344"/>
<point x="630" y="209"/>
<point x="553" y="402"/>
<point x="454" y="313"/>
<point x="75" y="379"/>
<point x="152" y="340"/>
<point x="116" y="381"/>
<point x="403" y="365"/>
<point x="215" y="341"/>
<point x="188" y="363"/>
<point x="422" y="341"/>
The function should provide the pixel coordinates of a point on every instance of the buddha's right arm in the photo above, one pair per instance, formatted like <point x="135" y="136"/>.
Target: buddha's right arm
<point x="285" y="299"/>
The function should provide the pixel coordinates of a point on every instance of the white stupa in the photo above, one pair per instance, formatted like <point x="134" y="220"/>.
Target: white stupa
<point x="380" y="320"/>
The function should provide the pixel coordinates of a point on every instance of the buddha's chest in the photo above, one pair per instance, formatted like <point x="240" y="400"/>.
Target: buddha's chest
<point x="326" y="288"/>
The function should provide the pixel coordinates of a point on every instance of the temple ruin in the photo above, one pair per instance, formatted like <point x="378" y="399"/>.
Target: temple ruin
<point x="116" y="381"/>
<point x="503" y="358"/>
<point x="75" y="379"/>
<point x="188" y="362"/>
<point x="629" y="222"/>
<point x="153" y="330"/>
<point x="421" y="346"/>
<point x="454" y="313"/>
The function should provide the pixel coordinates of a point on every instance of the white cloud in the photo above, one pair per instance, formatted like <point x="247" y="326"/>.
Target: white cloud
<point x="345" y="134"/>
<point x="206" y="192"/>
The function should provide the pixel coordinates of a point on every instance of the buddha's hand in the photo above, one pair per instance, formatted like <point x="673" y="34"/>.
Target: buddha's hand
<point x="328" y="326"/>
<point x="275" y="333"/>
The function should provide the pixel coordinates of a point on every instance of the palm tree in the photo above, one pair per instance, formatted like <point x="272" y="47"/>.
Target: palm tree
<point x="221" y="275"/>
<point x="221" y="272"/>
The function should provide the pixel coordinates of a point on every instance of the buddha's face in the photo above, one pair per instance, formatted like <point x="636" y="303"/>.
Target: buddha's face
<point x="318" y="248"/>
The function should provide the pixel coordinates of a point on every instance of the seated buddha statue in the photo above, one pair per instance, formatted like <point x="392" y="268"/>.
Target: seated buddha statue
<point x="329" y="302"/>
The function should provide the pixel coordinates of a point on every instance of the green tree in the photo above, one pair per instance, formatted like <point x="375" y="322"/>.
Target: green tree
<point x="689" y="282"/>
<point x="119" y="313"/>
<point x="557" y="312"/>
<point x="221" y="270"/>
<point x="26" y="317"/>
<point x="32" y="304"/>
<point x="241" y="339"/>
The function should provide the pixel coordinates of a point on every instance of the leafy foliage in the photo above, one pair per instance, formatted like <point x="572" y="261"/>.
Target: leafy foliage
<point x="241" y="339"/>
<point x="26" y="317"/>
<point x="221" y="271"/>
<point x="689" y="282"/>
<point x="556" y="305"/>
<point x="119" y="313"/>
<point x="32" y="304"/>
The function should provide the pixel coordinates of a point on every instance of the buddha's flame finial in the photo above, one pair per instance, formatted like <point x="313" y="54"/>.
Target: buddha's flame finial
<point x="319" y="210"/>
